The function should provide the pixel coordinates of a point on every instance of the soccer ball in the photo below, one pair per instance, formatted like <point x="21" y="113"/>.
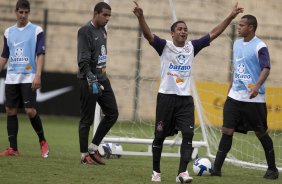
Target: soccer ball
<point x="112" y="150"/>
<point x="202" y="166"/>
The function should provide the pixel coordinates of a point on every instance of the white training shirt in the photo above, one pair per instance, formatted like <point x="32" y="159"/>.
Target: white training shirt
<point x="176" y="64"/>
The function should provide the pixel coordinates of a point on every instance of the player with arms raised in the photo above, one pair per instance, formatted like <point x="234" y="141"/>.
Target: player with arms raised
<point x="175" y="106"/>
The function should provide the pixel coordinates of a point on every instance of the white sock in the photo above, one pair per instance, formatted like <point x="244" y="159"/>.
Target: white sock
<point x="93" y="147"/>
<point x="83" y="155"/>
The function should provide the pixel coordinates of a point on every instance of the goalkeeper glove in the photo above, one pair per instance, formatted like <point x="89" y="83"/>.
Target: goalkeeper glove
<point x="94" y="85"/>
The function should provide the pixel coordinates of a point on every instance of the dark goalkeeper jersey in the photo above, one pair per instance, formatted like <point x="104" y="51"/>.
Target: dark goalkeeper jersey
<point x="92" y="51"/>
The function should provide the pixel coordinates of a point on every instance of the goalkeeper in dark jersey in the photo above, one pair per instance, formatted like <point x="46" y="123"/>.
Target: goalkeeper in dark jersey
<point x="94" y="84"/>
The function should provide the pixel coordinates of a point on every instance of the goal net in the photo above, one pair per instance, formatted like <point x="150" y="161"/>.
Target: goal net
<point x="133" y="68"/>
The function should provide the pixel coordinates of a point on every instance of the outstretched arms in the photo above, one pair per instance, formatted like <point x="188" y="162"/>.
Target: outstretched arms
<point x="222" y="26"/>
<point x="144" y="27"/>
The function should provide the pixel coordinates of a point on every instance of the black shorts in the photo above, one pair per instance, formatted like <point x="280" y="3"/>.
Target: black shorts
<point x="244" y="116"/>
<point x="174" y="113"/>
<point x="20" y="95"/>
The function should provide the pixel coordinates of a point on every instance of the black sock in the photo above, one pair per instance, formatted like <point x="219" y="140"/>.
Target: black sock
<point x="267" y="145"/>
<point x="157" y="148"/>
<point x="37" y="126"/>
<point x="223" y="149"/>
<point x="184" y="160"/>
<point x="185" y="151"/>
<point x="12" y="128"/>
<point x="157" y="151"/>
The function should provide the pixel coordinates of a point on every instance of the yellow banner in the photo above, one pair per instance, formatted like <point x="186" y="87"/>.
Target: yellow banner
<point x="212" y="96"/>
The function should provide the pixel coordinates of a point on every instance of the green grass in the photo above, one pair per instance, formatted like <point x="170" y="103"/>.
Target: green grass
<point x="63" y="164"/>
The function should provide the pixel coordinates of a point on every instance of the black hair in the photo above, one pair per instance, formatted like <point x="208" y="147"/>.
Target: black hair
<point x="23" y="4"/>
<point x="173" y="26"/>
<point x="99" y="6"/>
<point x="251" y="21"/>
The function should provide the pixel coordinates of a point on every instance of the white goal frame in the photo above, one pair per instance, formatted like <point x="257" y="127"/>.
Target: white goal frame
<point x="148" y="142"/>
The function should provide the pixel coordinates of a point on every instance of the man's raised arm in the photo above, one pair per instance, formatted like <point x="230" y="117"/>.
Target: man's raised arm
<point x="142" y="22"/>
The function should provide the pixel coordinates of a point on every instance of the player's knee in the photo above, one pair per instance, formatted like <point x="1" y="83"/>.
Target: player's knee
<point x="187" y="136"/>
<point x="227" y="131"/>
<point x="158" y="142"/>
<point x="11" y="111"/>
<point x="225" y="143"/>
<point x="31" y="112"/>
<point x="85" y="124"/>
<point x="261" y="134"/>
<point x="113" y="116"/>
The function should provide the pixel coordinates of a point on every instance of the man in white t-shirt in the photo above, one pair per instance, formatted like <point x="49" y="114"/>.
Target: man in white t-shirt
<point x="175" y="106"/>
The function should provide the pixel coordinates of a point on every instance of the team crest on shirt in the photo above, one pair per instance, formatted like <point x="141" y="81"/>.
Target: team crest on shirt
<point x="241" y="68"/>
<point x="19" y="52"/>
<point x="241" y="73"/>
<point x="19" y="57"/>
<point x="181" y="59"/>
<point x="186" y="48"/>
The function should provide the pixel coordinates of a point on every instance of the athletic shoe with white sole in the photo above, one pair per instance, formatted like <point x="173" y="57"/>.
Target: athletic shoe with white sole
<point x="156" y="177"/>
<point x="44" y="149"/>
<point x="95" y="155"/>
<point x="184" y="178"/>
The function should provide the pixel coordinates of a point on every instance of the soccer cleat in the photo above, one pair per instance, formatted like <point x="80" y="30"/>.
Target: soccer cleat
<point x="271" y="175"/>
<point x="88" y="160"/>
<point x="10" y="152"/>
<point x="184" y="178"/>
<point x="44" y="149"/>
<point x="156" y="177"/>
<point x="216" y="173"/>
<point x="95" y="155"/>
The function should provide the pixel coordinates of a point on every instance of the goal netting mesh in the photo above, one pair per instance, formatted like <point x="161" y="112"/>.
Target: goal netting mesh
<point x="134" y="70"/>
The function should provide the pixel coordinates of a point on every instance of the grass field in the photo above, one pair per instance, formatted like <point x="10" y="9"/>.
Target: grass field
<point x="63" y="165"/>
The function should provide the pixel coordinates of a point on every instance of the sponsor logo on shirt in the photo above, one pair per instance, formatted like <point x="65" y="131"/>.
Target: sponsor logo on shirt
<point x="179" y="67"/>
<point x="102" y="58"/>
<point x="19" y="59"/>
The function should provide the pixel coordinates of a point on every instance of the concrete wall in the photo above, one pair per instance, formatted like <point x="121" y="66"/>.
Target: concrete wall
<point x="212" y="64"/>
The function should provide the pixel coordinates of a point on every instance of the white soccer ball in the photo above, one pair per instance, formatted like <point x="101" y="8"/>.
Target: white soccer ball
<point x="202" y="166"/>
<point x="112" y="150"/>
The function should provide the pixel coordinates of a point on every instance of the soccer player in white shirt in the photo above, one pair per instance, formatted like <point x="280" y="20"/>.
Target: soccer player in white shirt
<point x="175" y="106"/>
